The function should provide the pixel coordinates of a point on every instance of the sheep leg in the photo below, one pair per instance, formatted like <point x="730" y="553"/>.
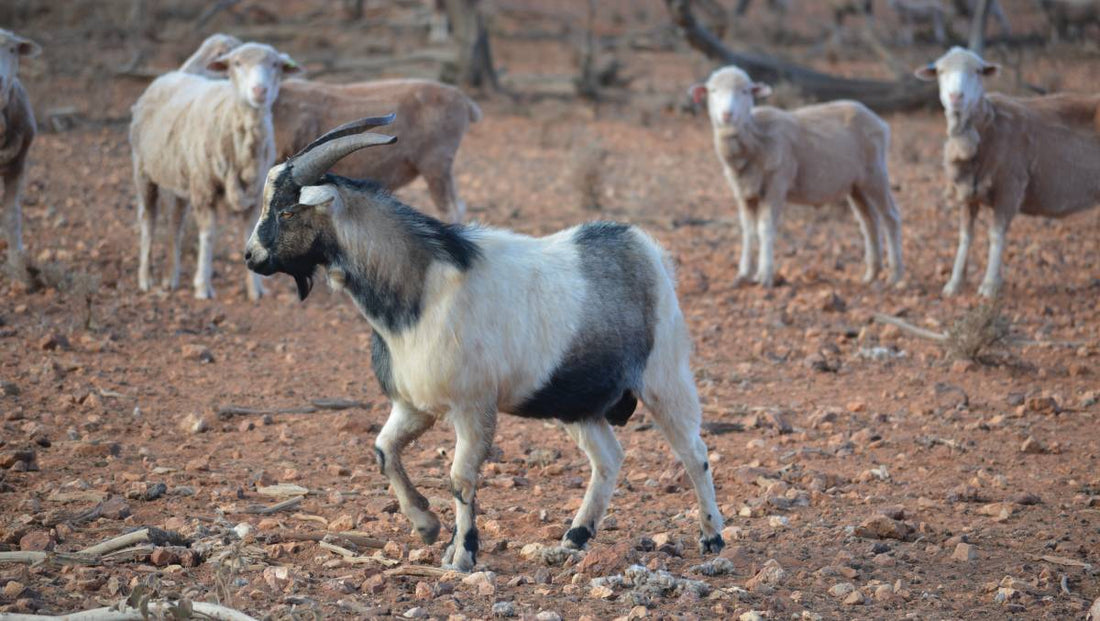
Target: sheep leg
<point x="670" y="396"/>
<point x="891" y="218"/>
<point x="441" y="186"/>
<point x="402" y="427"/>
<point x="998" y="228"/>
<point x="869" y="225"/>
<point x="967" y="213"/>
<point x="474" y="432"/>
<point x="206" y="216"/>
<point x="253" y="283"/>
<point x="147" y="220"/>
<point x="605" y="455"/>
<point x="177" y="209"/>
<point x="13" y="225"/>
<point x="765" y="231"/>
<point x="747" y="215"/>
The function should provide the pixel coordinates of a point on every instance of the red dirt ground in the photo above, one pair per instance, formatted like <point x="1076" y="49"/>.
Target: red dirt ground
<point x="805" y="456"/>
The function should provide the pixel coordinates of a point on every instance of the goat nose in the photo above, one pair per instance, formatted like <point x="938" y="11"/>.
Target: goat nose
<point x="955" y="97"/>
<point x="247" y="255"/>
<point x="259" y="92"/>
<point x="727" y="117"/>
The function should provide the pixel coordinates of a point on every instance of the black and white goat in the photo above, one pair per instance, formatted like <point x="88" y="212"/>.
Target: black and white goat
<point x="469" y="321"/>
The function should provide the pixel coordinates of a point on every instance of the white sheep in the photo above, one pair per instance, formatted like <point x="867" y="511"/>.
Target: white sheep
<point x="205" y="140"/>
<point x="1037" y="156"/>
<point x="469" y="321"/>
<point x="432" y="119"/>
<point x="814" y="155"/>
<point x="17" y="131"/>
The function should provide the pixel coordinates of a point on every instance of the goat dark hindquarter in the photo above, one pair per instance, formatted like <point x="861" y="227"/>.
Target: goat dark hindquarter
<point x="601" y="372"/>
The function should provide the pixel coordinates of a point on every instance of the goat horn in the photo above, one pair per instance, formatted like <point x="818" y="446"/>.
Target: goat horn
<point x="354" y="127"/>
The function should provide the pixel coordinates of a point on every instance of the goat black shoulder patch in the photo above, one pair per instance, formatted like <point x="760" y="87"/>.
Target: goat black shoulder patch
<point x="383" y="366"/>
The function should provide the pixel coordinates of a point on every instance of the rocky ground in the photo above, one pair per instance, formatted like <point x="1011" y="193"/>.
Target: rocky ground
<point x="863" y="472"/>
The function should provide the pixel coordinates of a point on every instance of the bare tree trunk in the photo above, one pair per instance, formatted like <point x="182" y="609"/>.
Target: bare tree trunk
<point x="475" y="57"/>
<point x="977" y="26"/>
<point x="882" y="96"/>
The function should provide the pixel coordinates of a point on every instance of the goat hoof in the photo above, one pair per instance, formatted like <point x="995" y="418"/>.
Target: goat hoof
<point x="988" y="290"/>
<point x="711" y="545"/>
<point x="456" y="559"/>
<point x="950" y="290"/>
<point x="577" y="538"/>
<point x="429" y="533"/>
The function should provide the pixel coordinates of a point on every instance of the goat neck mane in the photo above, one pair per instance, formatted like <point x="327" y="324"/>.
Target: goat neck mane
<point x="386" y="249"/>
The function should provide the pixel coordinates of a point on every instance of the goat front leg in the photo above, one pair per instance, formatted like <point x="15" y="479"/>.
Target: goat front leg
<point x="177" y="210"/>
<point x="474" y="432"/>
<point x="598" y="441"/>
<point x="147" y="220"/>
<point x="998" y="229"/>
<point x="404" y="425"/>
<point x="206" y="217"/>
<point x="13" y="226"/>
<point x="967" y="213"/>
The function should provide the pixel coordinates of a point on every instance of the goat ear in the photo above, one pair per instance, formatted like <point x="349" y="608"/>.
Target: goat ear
<point x="989" y="70"/>
<point x="761" y="90"/>
<point x="219" y="64"/>
<point x="698" y="92"/>
<point x="320" y="197"/>
<point x="28" y="48"/>
<point x="289" y="66"/>
<point x="926" y="73"/>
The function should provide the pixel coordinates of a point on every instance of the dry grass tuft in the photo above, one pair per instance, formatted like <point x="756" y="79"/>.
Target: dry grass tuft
<point x="977" y="332"/>
<point x="588" y="175"/>
<point x="79" y="287"/>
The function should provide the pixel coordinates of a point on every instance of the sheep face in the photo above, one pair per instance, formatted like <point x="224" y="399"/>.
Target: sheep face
<point x="12" y="48"/>
<point x="729" y="93"/>
<point x="959" y="73"/>
<point x="295" y="232"/>
<point x="256" y="70"/>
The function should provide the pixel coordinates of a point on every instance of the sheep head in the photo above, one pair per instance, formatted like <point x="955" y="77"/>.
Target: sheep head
<point x="12" y="48"/>
<point x="256" y="71"/>
<point x="729" y="93"/>
<point x="959" y="73"/>
<point x="295" y="232"/>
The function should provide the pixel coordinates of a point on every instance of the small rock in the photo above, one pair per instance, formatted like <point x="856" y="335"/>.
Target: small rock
<point x="963" y="366"/>
<point x="424" y="556"/>
<point x="9" y="389"/>
<point x="1032" y="446"/>
<point x="751" y="615"/>
<point x="715" y="567"/>
<point x="392" y="549"/>
<point x="278" y="578"/>
<point x="1027" y="498"/>
<point x="770" y="575"/>
<point x="416" y="613"/>
<point x="855" y="598"/>
<point x="842" y="589"/>
<point x="163" y="556"/>
<point x="479" y="577"/>
<point x="198" y="353"/>
<point x="882" y="527"/>
<point x="831" y="302"/>
<point x="964" y="552"/>
<point x="604" y="560"/>
<point x="374" y="585"/>
<point x="504" y="609"/>
<point x="38" y="541"/>
<point x="115" y="508"/>
<point x="12" y="590"/>
<point x="243" y="529"/>
<point x="1094" y="611"/>
<point x="155" y="490"/>
<point x="342" y="522"/>
<point x="601" y="592"/>
<point x="547" y="615"/>
<point x="1042" y="405"/>
<point x="424" y="591"/>
<point x="54" y="341"/>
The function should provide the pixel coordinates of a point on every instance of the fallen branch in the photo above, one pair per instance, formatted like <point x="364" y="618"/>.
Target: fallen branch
<point x="289" y="503"/>
<point x="905" y="94"/>
<point x="127" y="613"/>
<point x="418" y="571"/>
<point x="350" y="536"/>
<point x="905" y="326"/>
<point x="314" y="406"/>
<point x="54" y="558"/>
<point x="151" y="535"/>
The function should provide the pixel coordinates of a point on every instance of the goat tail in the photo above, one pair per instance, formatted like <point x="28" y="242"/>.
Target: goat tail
<point x="475" y="110"/>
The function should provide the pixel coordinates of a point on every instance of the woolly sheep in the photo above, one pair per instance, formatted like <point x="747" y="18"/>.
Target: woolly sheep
<point x="814" y="155"/>
<point x="202" y="140"/>
<point x="1038" y="156"/>
<point x="469" y="321"/>
<point x="432" y="118"/>
<point x="17" y="131"/>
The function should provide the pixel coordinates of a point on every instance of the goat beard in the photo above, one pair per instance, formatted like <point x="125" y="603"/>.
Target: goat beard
<point x="305" y="285"/>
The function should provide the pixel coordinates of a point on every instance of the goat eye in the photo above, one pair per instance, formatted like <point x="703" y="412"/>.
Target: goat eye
<point x="286" y="214"/>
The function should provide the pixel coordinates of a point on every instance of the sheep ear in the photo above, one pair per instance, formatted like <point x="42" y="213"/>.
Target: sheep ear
<point x="926" y="73"/>
<point x="28" y="48"/>
<point x="989" y="70"/>
<point x="761" y="90"/>
<point x="219" y="64"/>
<point x="289" y="66"/>
<point x="698" y="92"/>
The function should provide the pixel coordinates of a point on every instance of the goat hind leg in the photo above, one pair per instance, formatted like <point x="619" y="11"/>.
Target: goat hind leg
<point x="598" y="441"/>
<point x="147" y="220"/>
<point x="474" y="435"/>
<point x="402" y="427"/>
<point x="441" y="187"/>
<point x="177" y="210"/>
<point x="672" y="399"/>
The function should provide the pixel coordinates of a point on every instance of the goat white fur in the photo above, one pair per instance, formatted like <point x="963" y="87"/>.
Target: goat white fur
<point x="467" y="322"/>
<point x="813" y="156"/>
<point x="201" y="140"/>
<point x="1038" y="156"/>
<point x="17" y="131"/>
<point x="432" y="119"/>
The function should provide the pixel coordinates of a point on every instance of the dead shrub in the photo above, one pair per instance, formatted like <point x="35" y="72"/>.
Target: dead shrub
<point x="77" y="286"/>
<point x="588" y="175"/>
<point x="977" y="332"/>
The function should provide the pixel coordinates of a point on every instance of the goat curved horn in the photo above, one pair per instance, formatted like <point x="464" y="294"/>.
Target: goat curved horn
<point x="354" y="127"/>
<point x="311" y="166"/>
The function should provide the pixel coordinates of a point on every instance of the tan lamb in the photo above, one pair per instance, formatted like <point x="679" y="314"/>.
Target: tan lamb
<point x="17" y="131"/>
